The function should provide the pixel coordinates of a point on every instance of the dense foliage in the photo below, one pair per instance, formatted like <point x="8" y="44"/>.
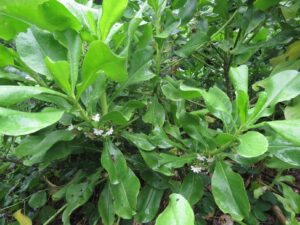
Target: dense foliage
<point x="158" y="112"/>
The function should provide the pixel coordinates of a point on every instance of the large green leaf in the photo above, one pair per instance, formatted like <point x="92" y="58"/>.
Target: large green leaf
<point x="148" y="204"/>
<point x="38" y="199"/>
<point x="265" y="4"/>
<point x="192" y="188"/>
<point x="292" y="197"/>
<point x="280" y="87"/>
<point x="71" y="40"/>
<point x="105" y="206"/>
<point x="219" y="105"/>
<point x="61" y="73"/>
<point x="292" y="111"/>
<point x="166" y="163"/>
<point x="187" y="12"/>
<point x="79" y="194"/>
<point x="39" y="151"/>
<point x="178" y="212"/>
<point x="11" y="95"/>
<point x="10" y="27"/>
<point x="229" y="191"/>
<point x="193" y="44"/>
<point x="35" y="45"/>
<point x="252" y="144"/>
<point x="289" y="129"/>
<point x="40" y="13"/>
<point x="6" y="57"/>
<point x="221" y="7"/>
<point x="20" y="123"/>
<point x="100" y="58"/>
<point x="139" y="70"/>
<point x="155" y="113"/>
<point x="125" y="195"/>
<point x="114" y="162"/>
<point x="284" y="150"/>
<point x="112" y="11"/>
<point x="140" y="140"/>
<point x="239" y="78"/>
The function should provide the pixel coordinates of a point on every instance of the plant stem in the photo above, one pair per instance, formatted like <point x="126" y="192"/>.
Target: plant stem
<point x="276" y="177"/>
<point x="103" y="103"/>
<point x="82" y="112"/>
<point x="55" y="214"/>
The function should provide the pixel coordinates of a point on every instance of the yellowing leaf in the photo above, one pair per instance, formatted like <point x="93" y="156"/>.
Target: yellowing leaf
<point x="22" y="219"/>
<point x="292" y="53"/>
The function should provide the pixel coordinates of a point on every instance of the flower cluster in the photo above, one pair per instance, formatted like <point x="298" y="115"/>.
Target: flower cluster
<point x="201" y="164"/>
<point x="99" y="132"/>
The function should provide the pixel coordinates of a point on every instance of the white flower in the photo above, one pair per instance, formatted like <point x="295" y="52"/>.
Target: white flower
<point x="210" y="160"/>
<point x="96" y="117"/>
<point x="201" y="158"/>
<point x="79" y="128"/>
<point x="98" y="132"/>
<point x="109" y="132"/>
<point x="71" y="127"/>
<point x="196" y="169"/>
<point x="27" y="77"/>
<point x="117" y="143"/>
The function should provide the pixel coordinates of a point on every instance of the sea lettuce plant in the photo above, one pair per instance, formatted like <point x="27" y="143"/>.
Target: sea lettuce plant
<point x="94" y="99"/>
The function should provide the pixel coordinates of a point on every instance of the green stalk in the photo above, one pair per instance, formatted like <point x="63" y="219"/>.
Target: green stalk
<point x="276" y="177"/>
<point x="55" y="214"/>
<point x="103" y="103"/>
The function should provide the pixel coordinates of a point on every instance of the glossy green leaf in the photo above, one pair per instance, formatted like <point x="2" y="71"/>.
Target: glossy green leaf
<point x="166" y="163"/>
<point x="105" y="206"/>
<point x="71" y="40"/>
<point x="100" y="58"/>
<point x="17" y="123"/>
<point x="61" y="73"/>
<point x="114" y="116"/>
<point x="112" y="11"/>
<point x="242" y="102"/>
<point x="171" y="92"/>
<point x="10" y="27"/>
<point x="193" y="44"/>
<point x="148" y="204"/>
<point x="39" y="151"/>
<point x="140" y="140"/>
<point x="219" y="105"/>
<point x="187" y="12"/>
<point x="139" y="70"/>
<point x="221" y="8"/>
<point x="6" y="57"/>
<point x="178" y="212"/>
<point x="124" y="195"/>
<point x="114" y="162"/>
<point x="35" y="45"/>
<point x="155" y="113"/>
<point x="286" y="152"/>
<point x="192" y="188"/>
<point x="168" y="30"/>
<point x="239" y="78"/>
<point x="292" y="111"/>
<point x="11" y="95"/>
<point x="158" y="6"/>
<point x="280" y="87"/>
<point x="40" y="13"/>
<point x="229" y="192"/>
<point x="252" y="144"/>
<point x="12" y="76"/>
<point x="38" y="199"/>
<point x="292" y="197"/>
<point x="155" y="180"/>
<point x="79" y="194"/>
<point x="265" y="4"/>
<point x="289" y="129"/>
<point x="194" y="127"/>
